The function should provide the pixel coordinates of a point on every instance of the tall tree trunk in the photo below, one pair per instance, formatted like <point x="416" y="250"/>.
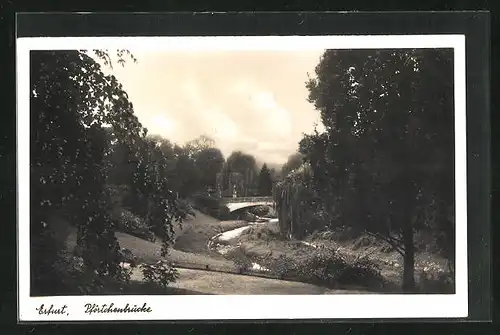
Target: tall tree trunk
<point x="409" y="257"/>
<point x="407" y="207"/>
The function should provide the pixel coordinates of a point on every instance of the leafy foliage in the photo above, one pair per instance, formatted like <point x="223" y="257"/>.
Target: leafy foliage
<point x="265" y="185"/>
<point x="294" y="162"/>
<point x="326" y="267"/>
<point x="297" y="203"/>
<point x="260" y="210"/>
<point x="211" y="206"/>
<point x="209" y="161"/>
<point x="244" y="164"/>
<point x="240" y="259"/>
<point x="160" y="273"/>
<point x="129" y="223"/>
<point x="199" y="144"/>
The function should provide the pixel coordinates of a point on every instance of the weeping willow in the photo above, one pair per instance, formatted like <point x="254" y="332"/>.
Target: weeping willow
<point x="292" y="197"/>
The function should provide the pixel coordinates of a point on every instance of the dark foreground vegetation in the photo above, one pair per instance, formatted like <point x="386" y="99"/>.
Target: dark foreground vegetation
<point x="380" y="171"/>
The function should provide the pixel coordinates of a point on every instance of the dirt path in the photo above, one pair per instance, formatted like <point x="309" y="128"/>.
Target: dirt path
<point x="207" y="282"/>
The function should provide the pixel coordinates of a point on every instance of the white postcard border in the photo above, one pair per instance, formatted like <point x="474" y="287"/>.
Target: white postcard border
<point x="217" y="307"/>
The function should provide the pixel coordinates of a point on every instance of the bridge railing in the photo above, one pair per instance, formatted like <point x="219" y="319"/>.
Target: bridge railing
<point x="229" y="200"/>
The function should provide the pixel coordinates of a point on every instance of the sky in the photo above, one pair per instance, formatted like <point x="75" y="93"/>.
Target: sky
<point x="253" y="101"/>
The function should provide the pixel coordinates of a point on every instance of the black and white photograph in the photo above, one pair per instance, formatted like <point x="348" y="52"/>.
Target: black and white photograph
<point x="268" y="170"/>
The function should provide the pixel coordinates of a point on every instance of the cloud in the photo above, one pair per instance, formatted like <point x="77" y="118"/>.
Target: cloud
<point x="254" y="101"/>
<point x="160" y="123"/>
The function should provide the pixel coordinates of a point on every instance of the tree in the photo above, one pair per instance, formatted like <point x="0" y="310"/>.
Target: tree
<point x="275" y="175"/>
<point x="169" y="161"/>
<point x="297" y="203"/>
<point x="294" y="162"/>
<point x="265" y="182"/>
<point x="199" y="144"/>
<point x="209" y="162"/>
<point x="387" y="152"/>
<point x="241" y="162"/>
<point x="244" y="164"/>
<point x="187" y="172"/>
<point x="73" y="104"/>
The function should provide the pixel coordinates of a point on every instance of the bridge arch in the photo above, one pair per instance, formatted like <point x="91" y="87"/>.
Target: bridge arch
<point x="235" y="206"/>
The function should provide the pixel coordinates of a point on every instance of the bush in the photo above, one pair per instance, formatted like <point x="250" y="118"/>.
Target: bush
<point x="362" y="272"/>
<point x="365" y="241"/>
<point x="185" y="208"/>
<point x="432" y="282"/>
<point x="262" y="233"/>
<point x="221" y="213"/>
<point x="131" y="224"/>
<point x="283" y="266"/>
<point x="160" y="273"/>
<point x="240" y="259"/>
<point x="260" y="210"/>
<point x="339" y="234"/>
<point x="211" y="206"/>
<point x="74" y="278"/>
<point x="326" y="267"/>
<point x="128" y="257"/>
<point x="202" y="200"/>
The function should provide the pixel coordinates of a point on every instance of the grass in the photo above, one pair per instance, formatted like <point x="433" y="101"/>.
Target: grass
<point x="190" y="246"/>
<point x="149" y="252"/>
<point x="199" y="230"/>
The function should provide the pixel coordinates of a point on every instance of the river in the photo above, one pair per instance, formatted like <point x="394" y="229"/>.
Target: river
<point x="221" y="242"/>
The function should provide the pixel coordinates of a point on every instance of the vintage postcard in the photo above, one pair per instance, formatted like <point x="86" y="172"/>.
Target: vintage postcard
<point x="245" y="177"/>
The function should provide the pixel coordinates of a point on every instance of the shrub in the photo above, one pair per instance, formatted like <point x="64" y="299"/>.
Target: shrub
<point x="362" y="272"/>
<point x="221" y="213"/>
<point x="240" y="259"/>
<point x="262" y="233"/>
<point x="436" y="282"/>
<point x="365" y="241"/>
<point x="387" y="248"/>
<point x="185" y="208"/>
<point x="160" y="273"/>
<point x="202" y="200"/>
<point x="282" y="266"/>
<point x="75" y="278"/>
<point x="326" y="267"/>
<point x="338" y="233"/>
<point x="131" y="224"/>
<point x="260" y="210"/>
<point x="211" y="206"/>
<point x="128" y="257"/>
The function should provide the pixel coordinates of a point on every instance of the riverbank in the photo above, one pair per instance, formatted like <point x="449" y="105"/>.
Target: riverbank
<point x="361" y="261"/>
<point x="198" y="230"/>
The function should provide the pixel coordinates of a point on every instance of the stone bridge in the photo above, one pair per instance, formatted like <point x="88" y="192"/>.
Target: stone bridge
<point x="238" y="203"/>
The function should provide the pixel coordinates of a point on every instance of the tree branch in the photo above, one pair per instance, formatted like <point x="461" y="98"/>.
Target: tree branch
<point x="395" y="243"/>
